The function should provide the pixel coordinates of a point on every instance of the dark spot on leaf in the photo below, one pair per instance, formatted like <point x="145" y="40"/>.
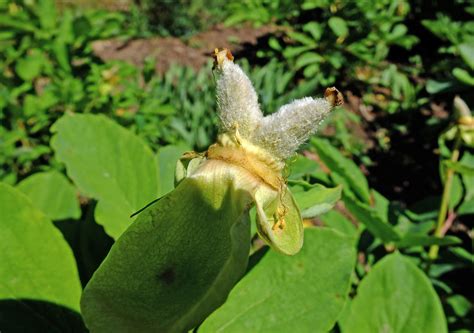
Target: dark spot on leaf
<point x="167" y="276"/>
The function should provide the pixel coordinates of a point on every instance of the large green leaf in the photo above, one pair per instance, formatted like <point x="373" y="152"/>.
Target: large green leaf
<point x="302" y="38"/>
<point x="175" y="264"/>
<point x="304" y="293"/>
<point x="343" y="166"/>
<point x="308" y="58"/>
<point x="52" y="193"/>
<point x="396" y="297"/>
<point x="36" y="263"/>
<point x="107" y="163"/>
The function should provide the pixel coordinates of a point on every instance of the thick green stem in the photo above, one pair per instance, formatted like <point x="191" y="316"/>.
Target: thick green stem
<point x="443" y="210"/>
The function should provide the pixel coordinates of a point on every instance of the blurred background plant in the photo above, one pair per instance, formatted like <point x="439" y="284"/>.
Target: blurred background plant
<point x="399" y="147"/>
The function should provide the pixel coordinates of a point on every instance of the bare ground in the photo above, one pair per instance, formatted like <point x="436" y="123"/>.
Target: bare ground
<point x="194" y="52"/>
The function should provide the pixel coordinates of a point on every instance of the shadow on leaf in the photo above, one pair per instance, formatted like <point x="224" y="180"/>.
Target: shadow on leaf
<point x="27" y="315"/>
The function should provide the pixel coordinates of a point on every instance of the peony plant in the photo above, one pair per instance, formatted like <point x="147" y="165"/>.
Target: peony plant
<point x="178" y="261"/>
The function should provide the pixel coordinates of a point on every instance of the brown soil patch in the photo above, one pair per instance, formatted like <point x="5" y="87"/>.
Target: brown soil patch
<point x="195" y="52"/>
<point x="122" y="5"/>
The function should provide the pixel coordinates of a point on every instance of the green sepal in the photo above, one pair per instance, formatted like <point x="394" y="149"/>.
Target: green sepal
<point x="175" y="264"/>
<point x="286" y="238"/>
<point x="186" y="165"/>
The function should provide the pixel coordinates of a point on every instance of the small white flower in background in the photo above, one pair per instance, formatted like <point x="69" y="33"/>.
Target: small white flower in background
<point x="251" y="150"/>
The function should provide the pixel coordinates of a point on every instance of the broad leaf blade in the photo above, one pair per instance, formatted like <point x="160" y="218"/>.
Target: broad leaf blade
<point x="304" y="293"/>
<point x="175" y="264"/>
<point x="107" y="163"/>
<point x="52" y="193"/>
<point x="36" y="263"/>
<point x="396" y="296"/>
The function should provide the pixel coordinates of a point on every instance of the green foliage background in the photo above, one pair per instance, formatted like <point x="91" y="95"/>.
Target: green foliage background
<point x="85" y="143"/>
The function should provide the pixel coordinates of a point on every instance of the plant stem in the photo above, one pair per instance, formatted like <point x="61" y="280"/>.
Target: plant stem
<point x="443" y="210"/>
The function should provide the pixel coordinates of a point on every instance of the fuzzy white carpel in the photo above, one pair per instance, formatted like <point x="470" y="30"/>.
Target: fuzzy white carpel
<point x="280" y="133"/>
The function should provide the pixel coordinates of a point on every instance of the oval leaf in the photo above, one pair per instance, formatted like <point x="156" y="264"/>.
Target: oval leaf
<point x="315" y="29"/>
<point x="338" y="26"/>
<point x="308" y="58"/>
<point x="36" y="263"/>
<point x="107" y="163"/>
<point x="396" y="296"/>
<point x="304" y="293"/>
<point x="52" y="193"/>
